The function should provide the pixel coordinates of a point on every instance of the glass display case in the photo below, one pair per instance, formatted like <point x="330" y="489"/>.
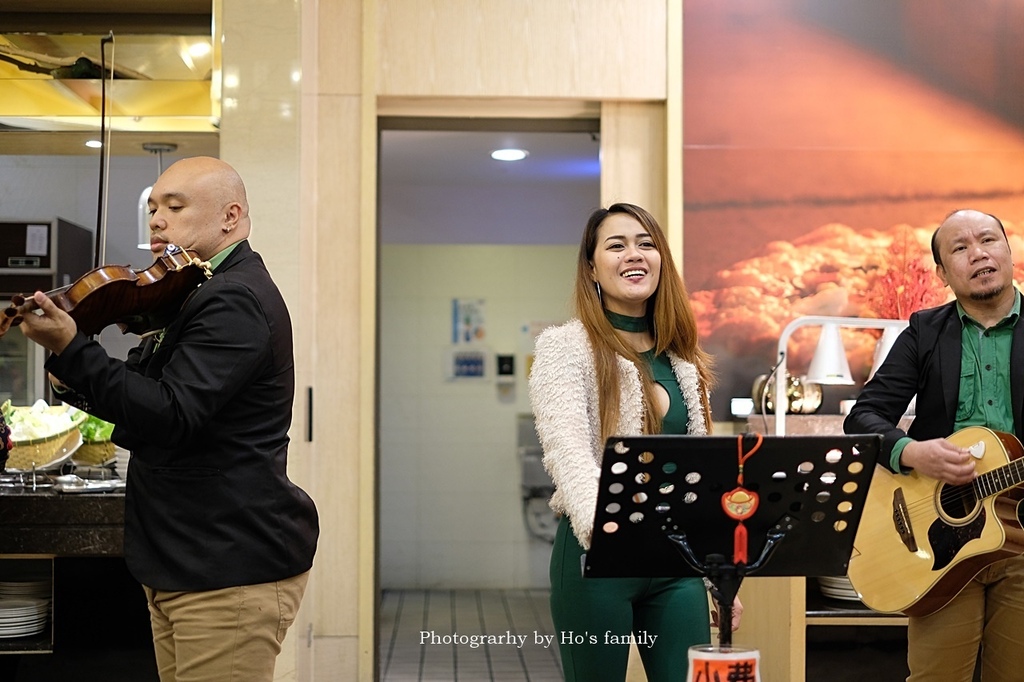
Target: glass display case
<point x="35" y="255"/>
<point x="21" y="370"/>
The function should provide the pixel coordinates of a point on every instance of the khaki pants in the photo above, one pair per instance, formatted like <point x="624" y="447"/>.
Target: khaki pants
<point x="228" y="635"/>
<point x="988" y="614"/>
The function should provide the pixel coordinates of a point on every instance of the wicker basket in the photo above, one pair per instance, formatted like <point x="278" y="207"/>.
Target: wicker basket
<point x="43" y="453"/>
<point x="94" y="452"/>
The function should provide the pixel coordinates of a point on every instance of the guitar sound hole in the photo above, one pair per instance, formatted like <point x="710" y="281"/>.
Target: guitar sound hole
<point x="957" y="501"/>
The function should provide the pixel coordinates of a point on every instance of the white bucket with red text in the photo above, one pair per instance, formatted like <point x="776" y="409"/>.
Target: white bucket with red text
<point x="709" y="663"/>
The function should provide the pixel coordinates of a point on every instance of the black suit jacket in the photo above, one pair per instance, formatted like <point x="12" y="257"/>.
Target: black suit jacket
<point x="925" y="361"/>
<point x="206" y="415"/>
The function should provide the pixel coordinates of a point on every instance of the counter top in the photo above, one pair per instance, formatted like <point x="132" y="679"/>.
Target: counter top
<point x="807" y="424"/>
<point x="798" y="424"/>
<point x="47" y="522"/>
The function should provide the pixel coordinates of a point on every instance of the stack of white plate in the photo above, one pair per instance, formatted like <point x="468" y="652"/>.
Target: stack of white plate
<point x="24" y="589"/>
<point x="121" y="458"/>
<point x="838" y="587"/>
<point x="23" y="617"/>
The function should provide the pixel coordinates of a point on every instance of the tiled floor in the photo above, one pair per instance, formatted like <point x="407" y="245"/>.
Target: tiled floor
<point x="417" y="628"/>
<point x="467" y="636"/>
<point x="415" y="639"/>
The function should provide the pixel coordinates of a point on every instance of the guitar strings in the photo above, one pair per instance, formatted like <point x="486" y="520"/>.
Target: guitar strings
<point x="974" y="491"/>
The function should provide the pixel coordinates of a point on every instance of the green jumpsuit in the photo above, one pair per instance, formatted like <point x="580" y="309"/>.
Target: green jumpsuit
<point x="594" y="617"/>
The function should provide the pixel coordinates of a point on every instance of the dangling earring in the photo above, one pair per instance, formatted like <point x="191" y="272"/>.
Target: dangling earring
<point x="598" y="285"/>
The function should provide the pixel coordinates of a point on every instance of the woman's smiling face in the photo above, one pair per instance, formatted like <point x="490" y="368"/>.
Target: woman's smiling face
<point x="626" y="264"/>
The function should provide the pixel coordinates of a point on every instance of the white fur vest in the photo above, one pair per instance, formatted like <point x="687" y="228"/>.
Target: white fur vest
<point x="563" y="393"/>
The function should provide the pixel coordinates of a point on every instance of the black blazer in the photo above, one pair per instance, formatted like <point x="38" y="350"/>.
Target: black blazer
<point x="925" y="361"/>
<point x="206" y="415"/>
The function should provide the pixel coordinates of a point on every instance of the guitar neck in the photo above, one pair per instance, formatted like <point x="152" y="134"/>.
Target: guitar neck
<point x="999" y="480"/>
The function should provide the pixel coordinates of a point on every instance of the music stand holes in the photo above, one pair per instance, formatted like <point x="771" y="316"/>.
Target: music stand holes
<point x="669" y="467"/>
<point x="840" y="526"/>
<point x="845" y="507"/>
<point x="646" y="457"/>
<point x="693" y="478"/>
<point x="822" y="497"/>
<point x="850" y="487"/>
<point x="613" y="508"/>
<point x="690" y="498"/>
<point x="779" y="476"/>
<point x="828" y="478"/>
<point x="855" y="467"/>
<point x="619" y="468"/>
<point x="621" y="448"/>
<point x="666" y="488"/>
<point x="818" y="516"/>
<point x="805" y="467"/>
<point x="640" y="498"/>
<point x="636" y="517"/>
<point x="833" y="456"/>
<point x="643" y="477"/>
<point x="616" y="488"/>
<point x="662" y="508"/>
<point x="610" y="527"/>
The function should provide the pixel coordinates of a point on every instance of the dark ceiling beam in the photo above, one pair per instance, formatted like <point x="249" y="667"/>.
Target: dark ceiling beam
<point x="100" y="24"/>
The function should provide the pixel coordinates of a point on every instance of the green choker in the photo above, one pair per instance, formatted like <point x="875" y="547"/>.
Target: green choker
<point x="626" y="323"/>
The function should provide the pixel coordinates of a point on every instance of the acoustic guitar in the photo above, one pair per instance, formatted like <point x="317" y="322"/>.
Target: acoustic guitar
<point x="920" y="541"/>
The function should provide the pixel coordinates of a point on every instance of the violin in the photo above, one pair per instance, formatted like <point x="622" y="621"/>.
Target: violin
<point x="137" y="301"/>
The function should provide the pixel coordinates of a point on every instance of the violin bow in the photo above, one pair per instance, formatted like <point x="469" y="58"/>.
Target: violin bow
<point x="99" y="254"/>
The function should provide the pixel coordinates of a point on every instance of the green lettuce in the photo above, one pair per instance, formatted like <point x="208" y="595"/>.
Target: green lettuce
<point x="95" y="429"/>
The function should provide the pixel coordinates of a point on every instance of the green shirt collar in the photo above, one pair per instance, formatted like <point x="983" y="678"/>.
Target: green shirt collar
<point x="222" y="256"/>
<point x="1010" y="319"/>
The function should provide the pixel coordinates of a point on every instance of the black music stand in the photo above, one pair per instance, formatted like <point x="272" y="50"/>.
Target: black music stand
<point x="660" y="514"/>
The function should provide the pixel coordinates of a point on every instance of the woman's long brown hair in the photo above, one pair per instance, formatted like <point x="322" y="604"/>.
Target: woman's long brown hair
<point x="669" y="316"/>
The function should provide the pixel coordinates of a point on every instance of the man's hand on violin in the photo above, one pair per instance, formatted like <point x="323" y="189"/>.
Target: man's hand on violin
<point x="49" y="326"/>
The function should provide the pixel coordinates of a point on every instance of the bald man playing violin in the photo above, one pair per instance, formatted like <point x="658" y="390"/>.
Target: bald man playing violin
<point x="220" y="539"/>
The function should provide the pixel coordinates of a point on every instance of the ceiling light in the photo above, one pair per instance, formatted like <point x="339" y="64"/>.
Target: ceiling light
<point x="199" y="49"/>
<point x="829" y="364"/>
<point x="93" y="144"/>
<point x="509" y="154"/>
<point x="158" y="148"/>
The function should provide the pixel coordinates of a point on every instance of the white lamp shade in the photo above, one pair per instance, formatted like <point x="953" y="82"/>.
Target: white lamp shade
<point x="144" y="219"/>
<point x="883" y="347"/>
<point x="829" y="365"/>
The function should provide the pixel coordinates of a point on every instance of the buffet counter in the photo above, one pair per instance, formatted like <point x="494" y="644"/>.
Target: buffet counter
<point x="56" y="543"/>
<point x="798" y="424"/>
<point x="51" y="523"/>
<point x="807" y="424"/>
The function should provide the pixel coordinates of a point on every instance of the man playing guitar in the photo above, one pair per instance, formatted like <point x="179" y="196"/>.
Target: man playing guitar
<point x="965" y="363"/>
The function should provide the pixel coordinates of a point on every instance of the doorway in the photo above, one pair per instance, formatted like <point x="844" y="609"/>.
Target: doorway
<point x="462" y="235"/>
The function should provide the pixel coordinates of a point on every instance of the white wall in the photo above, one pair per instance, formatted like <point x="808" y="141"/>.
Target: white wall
<point x="67" y="186"/>
<point x="450" y="503"/>
<point x="44" y="187"/>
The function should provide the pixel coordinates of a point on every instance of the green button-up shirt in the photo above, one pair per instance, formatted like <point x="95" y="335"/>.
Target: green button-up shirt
<point x="984" y="398"/>
<point x="985" y="372"/>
